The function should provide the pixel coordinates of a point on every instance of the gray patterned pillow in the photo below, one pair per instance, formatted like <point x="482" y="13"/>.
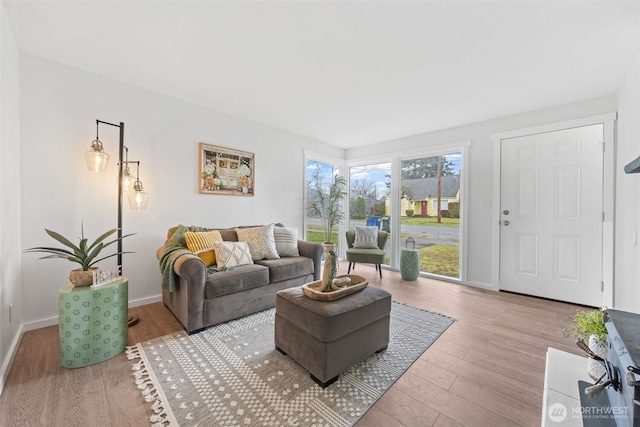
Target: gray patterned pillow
<point x="366" y="237"/>
<point x="260" y="240"/>
<point x="286" y="241"/>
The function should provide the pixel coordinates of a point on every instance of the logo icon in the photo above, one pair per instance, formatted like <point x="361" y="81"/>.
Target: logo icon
<point x="557" y="412"/>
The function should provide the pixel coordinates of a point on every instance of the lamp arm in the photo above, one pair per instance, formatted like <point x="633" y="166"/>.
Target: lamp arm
<point x="120" y="184"/>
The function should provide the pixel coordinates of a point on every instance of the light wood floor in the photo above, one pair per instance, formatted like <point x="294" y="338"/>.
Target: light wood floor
<point x="487" y="369"/>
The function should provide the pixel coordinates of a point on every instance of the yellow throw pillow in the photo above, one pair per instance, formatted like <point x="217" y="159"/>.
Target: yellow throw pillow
<point x="202" y="244"/>
<point x="208" y="256"/>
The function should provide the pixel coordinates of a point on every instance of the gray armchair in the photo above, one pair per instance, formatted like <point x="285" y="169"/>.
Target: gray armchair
<point x="366" y="256"/>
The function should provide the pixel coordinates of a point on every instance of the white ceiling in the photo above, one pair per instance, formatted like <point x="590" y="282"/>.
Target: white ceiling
<point x="345" y="73"/>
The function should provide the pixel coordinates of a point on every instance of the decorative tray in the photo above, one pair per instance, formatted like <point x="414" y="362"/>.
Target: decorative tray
<point x="312" y="289"/>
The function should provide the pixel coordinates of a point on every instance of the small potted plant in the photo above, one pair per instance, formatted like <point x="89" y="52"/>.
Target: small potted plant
<point x="588" y="326"/>
<point x="83" y="254"/>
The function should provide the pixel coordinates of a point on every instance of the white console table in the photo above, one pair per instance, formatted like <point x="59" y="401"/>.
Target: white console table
<point x="562" y="373"/>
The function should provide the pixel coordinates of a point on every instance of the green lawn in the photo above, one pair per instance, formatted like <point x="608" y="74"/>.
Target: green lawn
<point x="441" y="259"/>
<point x="316" y="235"/>
<point x="446" y="222"/>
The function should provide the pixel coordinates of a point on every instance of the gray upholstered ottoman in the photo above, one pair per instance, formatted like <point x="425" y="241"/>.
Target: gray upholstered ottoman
<point x="327" y="337"/>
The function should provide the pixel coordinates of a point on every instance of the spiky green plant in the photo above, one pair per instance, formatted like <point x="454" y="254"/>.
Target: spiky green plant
<point x="327" y="204"/>
<point x="83" y="253"/>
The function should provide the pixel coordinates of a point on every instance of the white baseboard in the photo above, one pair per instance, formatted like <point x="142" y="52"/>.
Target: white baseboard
<point x="6" y="364"/>
<point x="42" y="323"/>
<point x="145" y="301"/>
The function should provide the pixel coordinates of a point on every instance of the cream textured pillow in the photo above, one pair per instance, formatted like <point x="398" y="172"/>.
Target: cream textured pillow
<point x="286" y="241"/>
<point x="202" y="243"/>
<point x="260" y="240"/>
<point x="232" y="254"/>
<point x="366" y="237"/>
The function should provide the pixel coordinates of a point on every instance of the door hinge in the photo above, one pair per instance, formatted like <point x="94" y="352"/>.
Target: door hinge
<point x="602" y="288"/>
<point x="602" y="144"/>
<point x="602" y="216"/>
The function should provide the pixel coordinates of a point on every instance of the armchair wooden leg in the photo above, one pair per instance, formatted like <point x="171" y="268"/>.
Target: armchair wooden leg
<point x="349" y="268"/>
<point x="379" y="267"/>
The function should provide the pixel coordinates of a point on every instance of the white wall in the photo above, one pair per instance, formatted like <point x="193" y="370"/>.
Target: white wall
<point x="10" y="282"/>
<point x="59" y="107"/>
<point x="627" y="253"/>
<point x="480" y="192"/>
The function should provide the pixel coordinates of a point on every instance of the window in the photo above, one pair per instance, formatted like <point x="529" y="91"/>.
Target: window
<point x="318" y="174"/>
<point x="369" y="203"/>
<point x="437" y="234"/>
<point x="444" y="205"/>
<point x="400" y="195"/>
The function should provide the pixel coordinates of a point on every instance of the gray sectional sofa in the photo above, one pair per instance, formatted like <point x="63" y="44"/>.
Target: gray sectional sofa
<point x="202" y="297"/>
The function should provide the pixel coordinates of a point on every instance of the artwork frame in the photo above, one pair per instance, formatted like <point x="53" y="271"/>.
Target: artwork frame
<point x="226" y="171"/>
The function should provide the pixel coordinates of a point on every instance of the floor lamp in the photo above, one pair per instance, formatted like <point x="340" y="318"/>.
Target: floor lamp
<point x="97" y="160"/>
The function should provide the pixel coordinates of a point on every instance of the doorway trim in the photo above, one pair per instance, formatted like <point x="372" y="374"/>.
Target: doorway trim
<point x="608" y="121"/>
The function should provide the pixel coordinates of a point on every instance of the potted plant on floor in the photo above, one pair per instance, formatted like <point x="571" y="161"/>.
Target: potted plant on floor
<point x="83" y="254"/>
<point x="327" y="205"/>
<point x="588" y="326"/>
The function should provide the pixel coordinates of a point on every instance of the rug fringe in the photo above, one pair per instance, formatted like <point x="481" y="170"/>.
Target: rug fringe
<point x="133" y="352"/>
<point x="149" y="392"/>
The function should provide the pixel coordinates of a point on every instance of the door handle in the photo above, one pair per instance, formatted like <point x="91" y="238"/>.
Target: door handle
<point x="505" y="222"/>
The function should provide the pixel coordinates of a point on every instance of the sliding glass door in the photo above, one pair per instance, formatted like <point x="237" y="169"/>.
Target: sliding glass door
<point x="430" y="190"/>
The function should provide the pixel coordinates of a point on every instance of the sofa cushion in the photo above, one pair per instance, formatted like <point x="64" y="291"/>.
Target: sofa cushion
<point x="237" y="279"/>
<point x="286" y="241"/>
<point x="287" y="267"/>
<point x="232" y="254"/>
<point x="260" y="240"/>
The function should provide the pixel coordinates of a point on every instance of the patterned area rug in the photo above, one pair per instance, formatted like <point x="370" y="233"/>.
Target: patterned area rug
<point x="231" y="374"/>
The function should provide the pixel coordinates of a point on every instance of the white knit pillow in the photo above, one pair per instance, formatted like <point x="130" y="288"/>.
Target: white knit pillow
<point x="260" y="240"/>
<point x="232" y="254"/>
<point x="366" y="237"/>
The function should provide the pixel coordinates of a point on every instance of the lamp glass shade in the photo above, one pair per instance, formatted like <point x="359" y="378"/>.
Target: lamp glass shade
<point x="97" y="161"/>
<point x="138" y="200"/>
<point x="127" y="181"/>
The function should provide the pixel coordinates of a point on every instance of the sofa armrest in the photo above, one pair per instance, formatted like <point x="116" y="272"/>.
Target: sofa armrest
<point x="190" y="267"/>
<point x="177" y="265"/>
<point x="315" y="252"/>
<point x="187" y="303"/>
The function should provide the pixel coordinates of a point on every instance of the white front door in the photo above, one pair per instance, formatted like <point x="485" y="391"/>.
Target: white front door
<point x="551" y="204"/>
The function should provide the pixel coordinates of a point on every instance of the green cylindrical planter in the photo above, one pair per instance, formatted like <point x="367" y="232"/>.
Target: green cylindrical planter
<point x="92" y="322"/>
<point x="409" y="264"/>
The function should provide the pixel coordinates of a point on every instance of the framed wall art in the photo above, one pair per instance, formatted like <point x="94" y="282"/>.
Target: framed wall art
<point x="226" y="171"/>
